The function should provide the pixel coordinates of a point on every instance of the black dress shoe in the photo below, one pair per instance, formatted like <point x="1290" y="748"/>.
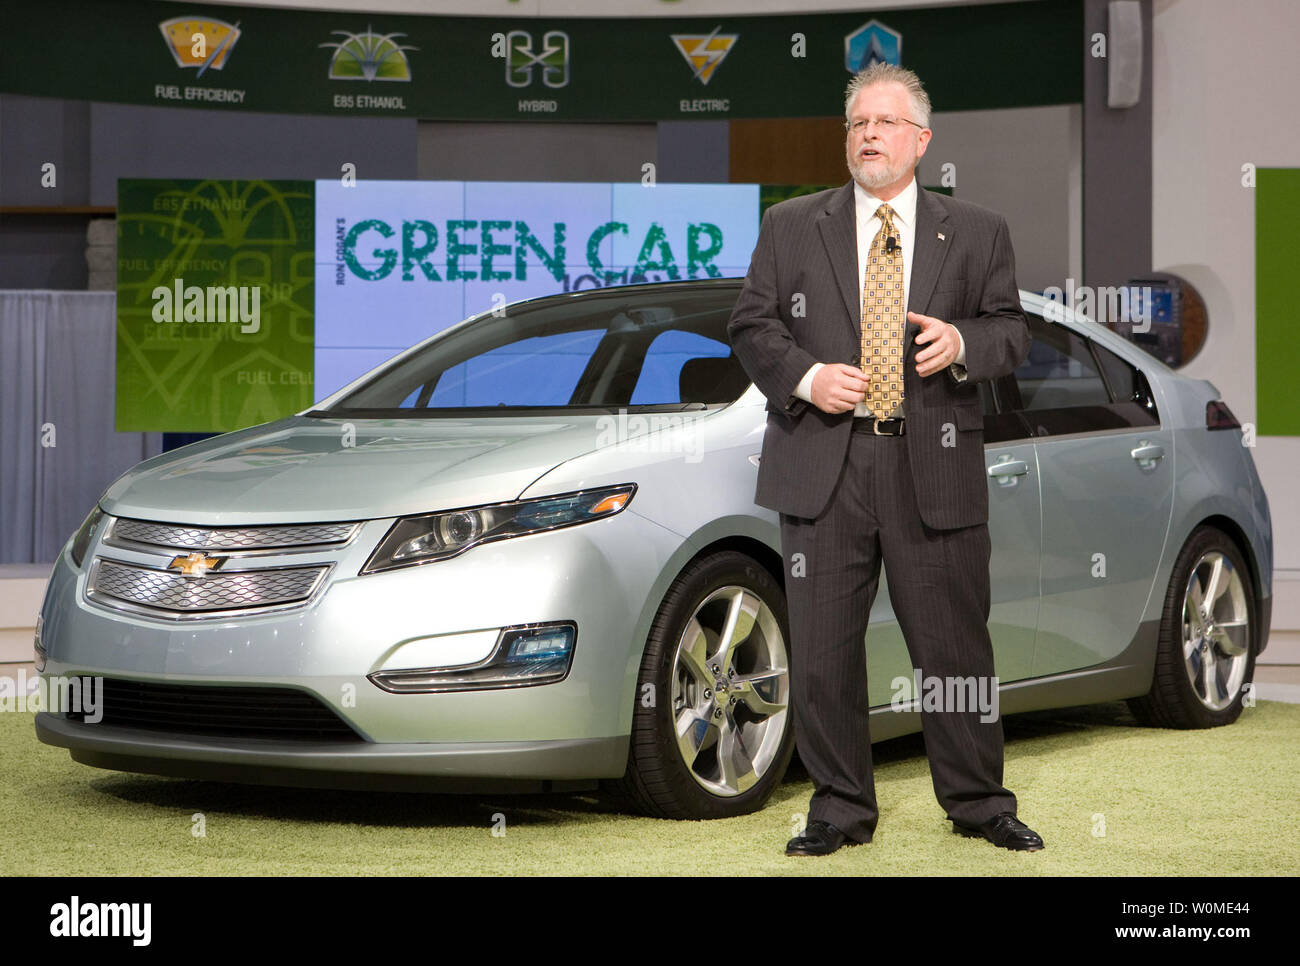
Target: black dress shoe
<point x="1005" y="831"/>
<point x="819" y="838"/>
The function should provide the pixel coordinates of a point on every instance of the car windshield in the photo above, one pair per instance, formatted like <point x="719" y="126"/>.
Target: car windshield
<point x="611" y="349"/>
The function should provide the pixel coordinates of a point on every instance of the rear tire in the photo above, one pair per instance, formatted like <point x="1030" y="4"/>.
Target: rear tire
<point x="710" y="741"/>
<point x="1208" y="638"/>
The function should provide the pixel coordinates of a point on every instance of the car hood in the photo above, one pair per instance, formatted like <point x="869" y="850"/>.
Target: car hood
<point x="310" y="469"/>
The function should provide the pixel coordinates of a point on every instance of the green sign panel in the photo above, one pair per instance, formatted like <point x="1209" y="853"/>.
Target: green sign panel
<point x="1277" y="252"/>
<point x="215" y="303"/>
<point x="537" y="68"/>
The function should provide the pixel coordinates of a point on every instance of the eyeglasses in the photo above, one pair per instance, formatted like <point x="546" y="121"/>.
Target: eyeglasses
<point x="887" y="123"/>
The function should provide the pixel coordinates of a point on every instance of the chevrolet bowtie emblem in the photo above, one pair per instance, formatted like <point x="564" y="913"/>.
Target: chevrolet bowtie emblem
<point x="195" y="564"/>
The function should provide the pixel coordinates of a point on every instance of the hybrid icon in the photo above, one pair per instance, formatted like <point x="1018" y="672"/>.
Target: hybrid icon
<point x="550" y="58"/>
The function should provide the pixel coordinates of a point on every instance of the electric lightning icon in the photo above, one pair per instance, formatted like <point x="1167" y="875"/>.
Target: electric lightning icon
<point x="704" y="52"/>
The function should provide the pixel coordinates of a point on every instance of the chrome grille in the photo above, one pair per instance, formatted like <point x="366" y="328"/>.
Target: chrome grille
<point x="174" y="536"/>
<point x="175" y="595"/>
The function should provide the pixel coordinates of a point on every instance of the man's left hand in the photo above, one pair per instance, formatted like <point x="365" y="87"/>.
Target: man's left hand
<point x="944" y="343"/>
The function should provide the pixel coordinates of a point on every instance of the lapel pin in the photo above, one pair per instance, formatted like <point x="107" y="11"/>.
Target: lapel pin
<point x="942" y="237"/>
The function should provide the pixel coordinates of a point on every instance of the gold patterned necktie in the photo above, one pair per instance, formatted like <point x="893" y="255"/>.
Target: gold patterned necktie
<point x="882" y="320"/>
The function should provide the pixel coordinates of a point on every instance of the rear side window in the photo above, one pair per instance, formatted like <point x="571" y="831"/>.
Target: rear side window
<point x="1122" y="377"/>
<point x="1068" y="384"/>
<point x="670" y="371"/>
<point x="1059" y="372"/>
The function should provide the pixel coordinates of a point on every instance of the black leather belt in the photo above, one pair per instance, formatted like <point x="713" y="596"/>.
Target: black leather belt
<point x="880" y="427"/>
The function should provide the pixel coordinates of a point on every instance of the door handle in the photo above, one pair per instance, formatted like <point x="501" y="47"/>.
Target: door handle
<point x="1006" y="469"/>
<point x="1146" y="453"/>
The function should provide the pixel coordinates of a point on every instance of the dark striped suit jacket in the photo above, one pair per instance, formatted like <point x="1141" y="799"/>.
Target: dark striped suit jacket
<point x="801" y="304"/>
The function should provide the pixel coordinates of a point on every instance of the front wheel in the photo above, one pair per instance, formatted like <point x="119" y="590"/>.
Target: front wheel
<point x="1206" y="654"/>
<point x="713" y="729"/>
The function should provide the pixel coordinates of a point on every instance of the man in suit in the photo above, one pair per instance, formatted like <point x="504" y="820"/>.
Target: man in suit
<point x="874" y="450"/>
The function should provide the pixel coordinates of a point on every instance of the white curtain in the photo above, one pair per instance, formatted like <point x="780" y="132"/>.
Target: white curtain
<point x="57" y="385"/>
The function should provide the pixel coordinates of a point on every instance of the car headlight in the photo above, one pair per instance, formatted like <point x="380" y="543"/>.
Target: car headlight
<point x="39" y="648"/>
<point x="437" y="536"/>
<point x="81" y="539"/>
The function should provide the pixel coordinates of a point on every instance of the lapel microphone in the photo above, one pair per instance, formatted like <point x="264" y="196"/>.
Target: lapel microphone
<point x="891" y="245"/>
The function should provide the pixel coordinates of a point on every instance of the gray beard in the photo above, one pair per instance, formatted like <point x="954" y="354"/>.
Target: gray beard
<point x="874" y="180"/>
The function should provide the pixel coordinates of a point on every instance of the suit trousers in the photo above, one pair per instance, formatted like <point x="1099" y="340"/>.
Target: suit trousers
<point x="939" y="589"/>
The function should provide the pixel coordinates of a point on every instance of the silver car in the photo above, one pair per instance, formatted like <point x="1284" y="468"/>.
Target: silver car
<point x="524" y="555"/>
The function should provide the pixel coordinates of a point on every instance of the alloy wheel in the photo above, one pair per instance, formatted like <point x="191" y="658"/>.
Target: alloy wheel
<point x="730" y="691"/>
<point x="1216" y="630"/>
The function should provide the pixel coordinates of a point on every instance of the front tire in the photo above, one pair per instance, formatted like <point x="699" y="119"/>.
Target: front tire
<point x="713" y="727"/>
<point x="1206" y="654"/>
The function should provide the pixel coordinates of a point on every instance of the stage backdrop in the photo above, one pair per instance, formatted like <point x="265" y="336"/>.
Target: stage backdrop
<point x="242" y="302"/>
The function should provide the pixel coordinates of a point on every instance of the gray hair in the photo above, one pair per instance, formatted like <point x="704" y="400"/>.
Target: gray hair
<point x="882" y="73"/>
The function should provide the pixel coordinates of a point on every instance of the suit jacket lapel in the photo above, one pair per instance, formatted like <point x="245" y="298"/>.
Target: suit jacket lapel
<point x="928" y="249"/>
<point x="838" y="227"/>
<point x="928" y="253"/>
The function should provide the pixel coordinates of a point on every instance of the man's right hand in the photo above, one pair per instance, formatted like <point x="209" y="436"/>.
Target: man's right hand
<point x="838" y="387"/>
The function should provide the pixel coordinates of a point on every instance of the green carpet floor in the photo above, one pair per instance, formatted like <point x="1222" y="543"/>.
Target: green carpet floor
<point x="1219" y="802"/>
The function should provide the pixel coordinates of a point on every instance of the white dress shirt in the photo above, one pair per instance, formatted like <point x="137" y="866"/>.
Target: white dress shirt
<point x="868" y="224"/>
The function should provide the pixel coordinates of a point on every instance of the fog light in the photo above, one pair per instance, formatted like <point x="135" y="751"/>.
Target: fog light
<point x="544" y="644"/>
<point x="524" y="656"/>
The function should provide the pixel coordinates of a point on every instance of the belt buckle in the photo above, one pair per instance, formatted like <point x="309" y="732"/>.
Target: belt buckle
<point x="875" y="426"/>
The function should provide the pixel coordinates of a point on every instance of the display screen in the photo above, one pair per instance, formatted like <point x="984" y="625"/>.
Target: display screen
<point x="398" y="261"/>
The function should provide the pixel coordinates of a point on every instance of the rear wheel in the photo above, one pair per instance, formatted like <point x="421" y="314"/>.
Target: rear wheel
<point x="1206" y="654"/>
<point x="713" y="731"/>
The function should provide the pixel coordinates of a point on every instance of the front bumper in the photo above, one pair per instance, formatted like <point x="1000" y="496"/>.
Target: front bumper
<point x="469" y="766"/>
